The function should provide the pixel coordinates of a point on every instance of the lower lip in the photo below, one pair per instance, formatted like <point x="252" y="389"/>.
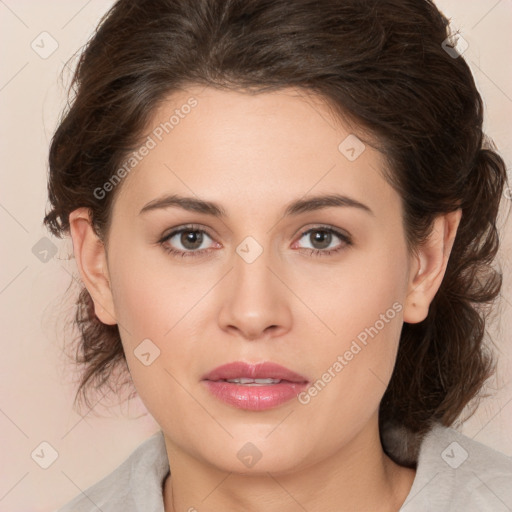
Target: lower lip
<point x="255" y="398"/>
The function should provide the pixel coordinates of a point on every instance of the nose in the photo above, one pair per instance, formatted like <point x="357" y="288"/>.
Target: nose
<point x="255" y="298"/>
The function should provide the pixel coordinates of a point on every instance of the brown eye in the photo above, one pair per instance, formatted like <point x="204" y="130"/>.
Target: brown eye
<point x="186" y="241"/>
<point x="321" y="239"/>
<point x="191" y="240"/>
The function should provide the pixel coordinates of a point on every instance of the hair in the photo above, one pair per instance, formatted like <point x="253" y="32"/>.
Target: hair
<point x="379" y="63"/>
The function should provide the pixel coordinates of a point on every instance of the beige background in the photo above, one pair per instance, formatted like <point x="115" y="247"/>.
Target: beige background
<point x="36" y="381"/>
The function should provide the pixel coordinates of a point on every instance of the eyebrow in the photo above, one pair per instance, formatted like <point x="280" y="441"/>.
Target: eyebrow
<point x="309" y="204"/>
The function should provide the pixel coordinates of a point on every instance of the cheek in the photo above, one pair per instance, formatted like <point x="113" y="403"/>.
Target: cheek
<point x="367" y="326"/>
<point x="358" y="292"/>
<point x="137" y="300"/>
<point x="363" y="306"/>
<point x="157" y="305"/>
<point x="161" y="303"/>
<point x="150" y="294"/>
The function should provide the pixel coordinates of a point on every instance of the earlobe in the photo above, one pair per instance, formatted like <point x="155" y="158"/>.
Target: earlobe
<point x="429" y="266"/>
<point x="91" y="260"/>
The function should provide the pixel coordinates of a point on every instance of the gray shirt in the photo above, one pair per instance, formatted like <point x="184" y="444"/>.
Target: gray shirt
<point x="454" y="473"/>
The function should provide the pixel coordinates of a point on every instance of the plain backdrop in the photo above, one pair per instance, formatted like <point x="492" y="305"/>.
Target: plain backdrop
<point x="36" y="380"/>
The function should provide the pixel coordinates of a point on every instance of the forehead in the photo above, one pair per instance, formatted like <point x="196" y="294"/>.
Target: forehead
<point x="252" y="149"/>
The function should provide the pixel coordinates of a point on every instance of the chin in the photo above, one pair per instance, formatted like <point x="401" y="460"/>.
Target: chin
<point x="258" y="455"/>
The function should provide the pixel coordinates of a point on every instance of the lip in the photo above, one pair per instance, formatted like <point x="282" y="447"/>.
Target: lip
<point x="265" y="370"/>
<point x="255" y="398"/>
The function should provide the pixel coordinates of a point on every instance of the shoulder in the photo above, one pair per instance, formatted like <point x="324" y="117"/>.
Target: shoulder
<point x="455" y="472"/>
<point x="135" y="485"/>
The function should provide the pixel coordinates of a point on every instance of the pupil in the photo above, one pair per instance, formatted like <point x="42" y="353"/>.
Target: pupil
<point x="323" y="237"/>
<point x="191" y="237"/>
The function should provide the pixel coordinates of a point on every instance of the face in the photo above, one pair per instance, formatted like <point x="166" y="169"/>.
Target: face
<point x="316" y="287"/>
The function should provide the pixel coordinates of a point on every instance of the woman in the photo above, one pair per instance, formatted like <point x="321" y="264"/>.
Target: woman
<point x="207" y="142"/>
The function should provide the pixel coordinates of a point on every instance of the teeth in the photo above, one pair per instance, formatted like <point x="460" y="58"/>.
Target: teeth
<point x="253" y="382"/>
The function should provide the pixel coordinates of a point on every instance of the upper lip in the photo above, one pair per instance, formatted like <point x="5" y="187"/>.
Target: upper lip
<point x="265" y="370"/>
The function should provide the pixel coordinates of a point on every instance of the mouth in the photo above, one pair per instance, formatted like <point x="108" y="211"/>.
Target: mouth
<point x="255" y="387"/>
<point x="261" y="374"/>
<point x="252" y="382"/>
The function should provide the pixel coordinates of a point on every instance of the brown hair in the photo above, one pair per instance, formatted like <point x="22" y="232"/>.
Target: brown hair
<point x="380" y="63"/>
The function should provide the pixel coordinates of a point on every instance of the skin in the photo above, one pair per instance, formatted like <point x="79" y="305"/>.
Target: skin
<point x="253" y="155"/>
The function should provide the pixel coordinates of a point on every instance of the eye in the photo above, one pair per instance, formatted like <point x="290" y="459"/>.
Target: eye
<point x="191" y="239"/>
<point x="322" y="239"/>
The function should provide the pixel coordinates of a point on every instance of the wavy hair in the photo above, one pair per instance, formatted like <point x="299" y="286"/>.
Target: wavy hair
<point x="381" y="64"/>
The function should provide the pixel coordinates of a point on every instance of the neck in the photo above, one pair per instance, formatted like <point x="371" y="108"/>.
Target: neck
<point x="355" y="477"/>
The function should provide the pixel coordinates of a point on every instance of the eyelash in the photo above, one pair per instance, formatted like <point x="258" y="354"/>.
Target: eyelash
<point x="346" y="241"/>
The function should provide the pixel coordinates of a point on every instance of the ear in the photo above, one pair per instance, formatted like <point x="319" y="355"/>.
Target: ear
<point x="429" y="266"/>
<point x="90" y="256"/>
